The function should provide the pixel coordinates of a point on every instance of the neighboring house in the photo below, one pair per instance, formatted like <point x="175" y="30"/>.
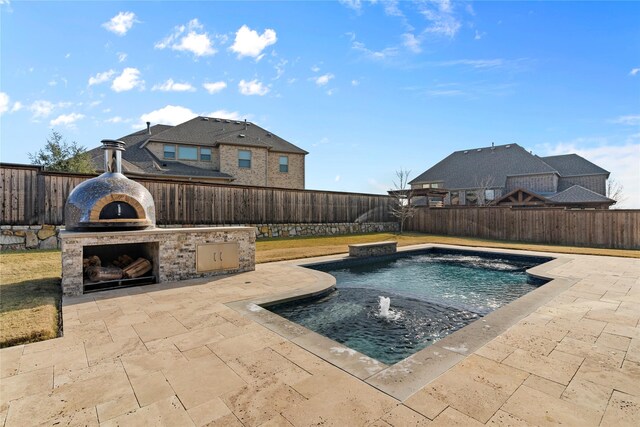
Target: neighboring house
<point x="510" y="175"/>
<point x="212" y="150"/>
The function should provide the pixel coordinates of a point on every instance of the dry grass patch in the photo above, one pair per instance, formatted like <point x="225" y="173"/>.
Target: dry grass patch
<point x="29" y="296"/>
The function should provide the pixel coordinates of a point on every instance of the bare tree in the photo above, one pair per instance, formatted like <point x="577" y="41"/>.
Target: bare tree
<point x="402" y="207"/>
<point x="615" y="191"/>
<point x="484" y="184"/>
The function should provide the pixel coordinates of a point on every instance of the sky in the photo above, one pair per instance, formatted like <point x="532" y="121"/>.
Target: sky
<point x="366" y="87"/>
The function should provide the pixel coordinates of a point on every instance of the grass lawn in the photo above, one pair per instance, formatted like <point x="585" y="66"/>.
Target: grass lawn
<point x="30" y="280"/>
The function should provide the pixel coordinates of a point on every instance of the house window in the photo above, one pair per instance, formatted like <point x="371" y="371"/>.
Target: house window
<point x="169" y="151"/>
<point x="205" y="154"/>
<point x="284" y="164"/>
<point x="489" y="195"/>
<point x="431" y="185"/>
<point x="187" y="153"/>
<point x="471" y="198"/>
<point x="244" y="159"/>
<point x="455" y="198"/>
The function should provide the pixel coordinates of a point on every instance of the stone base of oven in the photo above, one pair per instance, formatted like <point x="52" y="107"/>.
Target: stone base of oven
<point x="176" y="251"/>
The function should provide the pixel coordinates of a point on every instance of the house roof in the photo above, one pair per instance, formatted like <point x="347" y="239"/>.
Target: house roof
<point x="209" y="131"/>
<point x="471" y="168"/>
<point x="579" y="194"/>
<point x="573" y="165"/>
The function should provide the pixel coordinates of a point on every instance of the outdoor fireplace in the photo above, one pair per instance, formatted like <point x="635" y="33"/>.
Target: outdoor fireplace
<point x="110" y="239"/>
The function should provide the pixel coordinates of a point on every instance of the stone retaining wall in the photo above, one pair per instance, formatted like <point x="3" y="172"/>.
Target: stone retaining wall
<point x="20" y="237"/>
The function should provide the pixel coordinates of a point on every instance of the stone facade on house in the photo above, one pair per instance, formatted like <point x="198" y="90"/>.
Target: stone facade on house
<point x="293" y="178"/>
<point x="255" y="175"/>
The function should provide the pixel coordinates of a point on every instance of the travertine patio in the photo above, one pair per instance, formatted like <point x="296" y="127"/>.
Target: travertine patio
<point x="186" y="354"/>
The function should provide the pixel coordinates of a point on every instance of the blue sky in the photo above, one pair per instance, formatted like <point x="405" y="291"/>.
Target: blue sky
<point x="366" y="87"/>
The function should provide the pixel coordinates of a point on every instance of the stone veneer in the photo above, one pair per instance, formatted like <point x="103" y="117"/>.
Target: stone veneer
<point x="20" y="237"/>
<point x="176" y="251"/>
<point x="365" y="250"/>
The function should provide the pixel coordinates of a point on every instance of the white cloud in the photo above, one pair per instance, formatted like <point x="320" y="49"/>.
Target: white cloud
<point x="634" y="71"/>
<point x="253" y="87"/>
<point x="352" y="4"/>
<point x="315" y="68"/>
<point x="249" y="43"/>
<point x="323" y="79"/>
<point x="41" y="108"/>
<point x="101" y="77"/>
<point x="279" y="67"/>
<point x="337" y="178"/>
<point x="224" y="114"/>
<point x="474" y="63"/>
<point x="621" y="160"/>
<point x="122" y="56"/>
<point x="479" y="35"/>
<point x="66" y="119"/>
<point x="441" y="17"/>
<point x="67" y="56"/>
<point x="121" y="23"/>
<point x="214" y="87"/>
<point x="170" y="115"/>
<point x="116" y="119"/>
<point x="411" y="42"/>
<point x="171" y="86"/>
<point x="372" y="54"/>
<point x="17" y="106"/>
<point x="630" y="120"/>
<point x="355" y="82"/>
<point x="4" y="102"/>
<point x="129" y="79"/>
<point x="191" y="38"/>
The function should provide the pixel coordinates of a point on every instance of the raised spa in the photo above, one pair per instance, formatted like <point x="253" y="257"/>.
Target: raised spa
<point x="391" y="307"/>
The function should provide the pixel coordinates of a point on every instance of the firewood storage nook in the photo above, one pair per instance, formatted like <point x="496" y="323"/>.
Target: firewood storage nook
<point x="110" y="239"/>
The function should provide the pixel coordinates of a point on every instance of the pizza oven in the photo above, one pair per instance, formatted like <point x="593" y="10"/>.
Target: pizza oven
<point x="111" y="201"/>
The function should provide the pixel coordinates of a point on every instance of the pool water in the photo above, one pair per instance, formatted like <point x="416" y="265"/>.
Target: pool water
<point x="432" y="294"/>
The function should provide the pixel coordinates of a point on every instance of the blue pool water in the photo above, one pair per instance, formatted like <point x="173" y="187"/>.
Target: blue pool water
<point x="432" y="294"/>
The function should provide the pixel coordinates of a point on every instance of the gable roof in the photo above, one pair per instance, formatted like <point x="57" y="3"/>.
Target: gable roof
<point x="579" y="194"/>
<point x="209" y="131"/>
<point x="470" y="168"/>
<point x="573" y="165"/>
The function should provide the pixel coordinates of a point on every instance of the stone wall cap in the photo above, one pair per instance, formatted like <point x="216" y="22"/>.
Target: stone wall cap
<point x="373" y="244"/>
<point x="75" y="234"/>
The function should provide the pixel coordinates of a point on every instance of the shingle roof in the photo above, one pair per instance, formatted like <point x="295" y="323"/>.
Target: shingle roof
<point x="579" y="194"/>
<point x="209" y="131"/>
<point x="470" y="168"/>
<point x="573" y="165"/>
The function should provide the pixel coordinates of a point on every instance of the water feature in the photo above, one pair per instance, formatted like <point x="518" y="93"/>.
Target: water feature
<point x="389" y="309"/>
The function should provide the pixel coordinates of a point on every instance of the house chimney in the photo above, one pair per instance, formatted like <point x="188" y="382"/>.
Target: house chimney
<point x="245" y="124"/>
<point x="148" y="128"/>
<point x="112" y="155"/>
<point x="493" y="146"/>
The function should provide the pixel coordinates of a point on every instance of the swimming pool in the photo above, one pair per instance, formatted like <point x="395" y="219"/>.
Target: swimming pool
<point x="389" y="308"/>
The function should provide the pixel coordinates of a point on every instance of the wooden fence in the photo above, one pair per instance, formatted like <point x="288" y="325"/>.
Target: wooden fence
<point x="30" y="196"/>
<point x="594" y="228"/>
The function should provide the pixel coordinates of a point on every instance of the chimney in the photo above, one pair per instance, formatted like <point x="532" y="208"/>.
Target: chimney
<point x="148" y="128"/>
<point x="112" y="155"/>
<point x="245" y="124"/>
<point x="493" y="146"/>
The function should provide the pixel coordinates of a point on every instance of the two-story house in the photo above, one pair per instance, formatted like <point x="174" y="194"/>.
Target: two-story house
<point x="213" y="150"/>
<point x="510" y="175"/>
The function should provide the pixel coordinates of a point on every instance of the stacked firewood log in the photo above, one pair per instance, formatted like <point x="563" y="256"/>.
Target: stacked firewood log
<point x="123" y="267"/>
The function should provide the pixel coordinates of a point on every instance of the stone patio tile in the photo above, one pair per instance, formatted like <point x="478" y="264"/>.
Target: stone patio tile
<point x="113" y="350"/>
<point x="303" y="358"/>
<point x="122" y="404"/>
<point x="160" y="327"/>
<point x="151" y="388"/>
<point x="257" y="403"/>
<point x="196" y="337"/>
<point x="277" y="421"/>
<point x="588" y="394"/>
<point x="106" y="367"/>
<point x="200" y="380"/>
<point x="167" y="412"/>
<point x="93" y="331"/>
<point x="209" y="412"/>
<point x="194" y="353"/>
<point x="426" y="404"/>
<point x="229" y="330"/>
<point x="596" y="352"/>
<point x="356" y="405"/>
<point x="119" y="333"/>
<point x="100" y="314"/>
<point x="540" y="409"/>
<point x="262" y="364"/>
<point x="198" y="319"/>
<point x="622" y="330"/>
<point x="232" y="348"/>
<point x="145" y="364"/>
<point x="530" y="343"/>
<point x="321" y="382"/>
<point x="613" y="316"/>
<point x="495" y="351"/>
<point x="452" y="418"/>
<point x="501" y="377"/>
<point x="558" y="367"/>
<point x="502" y="418"/>
<point x="633" y="353"/>
<point x="623" y="410"/>
<point x="544" y="385"/>
<point x="403" y="416"/>
<point x="614" y="378"/>
<point x="19" y="386"/>
<point x="10" y="360"/>
<point x="73" y="357"/>
<point x="578" y="328"/>
<point x="617" y="342"/>
<point x="58" y="344"/>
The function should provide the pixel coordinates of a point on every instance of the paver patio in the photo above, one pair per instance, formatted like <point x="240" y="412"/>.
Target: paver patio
<point x="177" y="354"/>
